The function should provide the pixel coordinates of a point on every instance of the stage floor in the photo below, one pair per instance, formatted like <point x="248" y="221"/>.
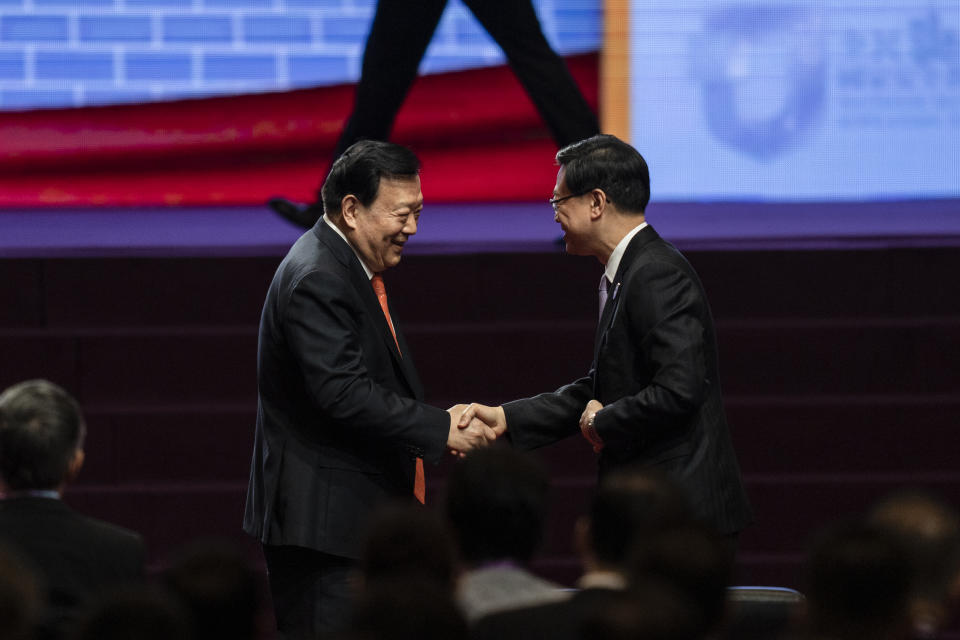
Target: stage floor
<point x="479" y="228"/>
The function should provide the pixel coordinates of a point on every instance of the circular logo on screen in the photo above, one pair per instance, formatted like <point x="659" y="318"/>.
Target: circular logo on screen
<point x="763" y="71"/>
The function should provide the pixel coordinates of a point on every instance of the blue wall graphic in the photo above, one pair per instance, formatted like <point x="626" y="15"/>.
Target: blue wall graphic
<point x="56" y="53"/>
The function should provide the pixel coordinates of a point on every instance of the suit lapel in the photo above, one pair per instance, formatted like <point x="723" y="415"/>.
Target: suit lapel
<point x="609" y="315"/>
<point x="358" y="278"/>
<point x="406" y="363"/>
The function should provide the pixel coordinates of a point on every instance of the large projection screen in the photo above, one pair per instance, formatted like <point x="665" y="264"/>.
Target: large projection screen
<point x="788" y="101"/>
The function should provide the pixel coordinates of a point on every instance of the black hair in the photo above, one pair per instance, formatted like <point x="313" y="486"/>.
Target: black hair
<point x="135" y="612"/>
<point x="857" y="580"/>
<point x="632" y="502"/>
<point x="405" y="541"/>
<point x="647" y="610"/>
<point x="409" y="608"/>
<point x="359" y="169"/>
<point x="694" y="560"/>
<point x="606" y="162"/>
<point x="928" y="527"/>
<point x="219" y="588"/>
<point x="496" y="503"/>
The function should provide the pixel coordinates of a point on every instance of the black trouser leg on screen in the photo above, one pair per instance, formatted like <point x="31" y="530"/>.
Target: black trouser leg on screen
<point x="311" y="591"/>
<point x="513" y="25"/>
<point x="398" y="39"/>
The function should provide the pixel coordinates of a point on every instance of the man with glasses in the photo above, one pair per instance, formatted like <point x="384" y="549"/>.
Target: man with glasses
<point x="652" y="395"/>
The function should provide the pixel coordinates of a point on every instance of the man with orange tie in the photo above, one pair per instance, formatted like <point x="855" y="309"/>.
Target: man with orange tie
<point x="341" y="426"/>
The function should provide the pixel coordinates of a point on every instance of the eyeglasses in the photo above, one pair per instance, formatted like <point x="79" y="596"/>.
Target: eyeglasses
<point x="555" y="201"/>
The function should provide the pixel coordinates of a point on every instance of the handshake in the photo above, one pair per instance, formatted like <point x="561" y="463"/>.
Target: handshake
<point x="477" y="425"/>
<point x="474" y="425"/>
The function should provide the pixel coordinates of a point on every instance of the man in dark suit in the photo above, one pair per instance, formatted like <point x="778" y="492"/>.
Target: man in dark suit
<point x="41" y="451"/>
<point x="652" y="395"/>
<point x="341" y="426"/>
<point x="398" y="39"/>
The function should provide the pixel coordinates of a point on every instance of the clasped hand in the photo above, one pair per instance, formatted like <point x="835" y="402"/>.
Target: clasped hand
<point x="474" y="425"/>
<point x="586" y="425"/>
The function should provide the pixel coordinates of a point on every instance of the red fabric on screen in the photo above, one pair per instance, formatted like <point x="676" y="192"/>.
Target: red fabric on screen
<point x="476" y="131"/>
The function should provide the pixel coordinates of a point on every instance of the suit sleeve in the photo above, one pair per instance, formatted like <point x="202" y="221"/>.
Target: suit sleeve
<point x="663" y="307"/>
<point x="323" y="325"/>
<point x="548" y="417"/>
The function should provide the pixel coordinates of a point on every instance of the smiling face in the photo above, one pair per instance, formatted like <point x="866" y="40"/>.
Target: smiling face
<point x="380" y="231"/>
<point x="573" y="214"/>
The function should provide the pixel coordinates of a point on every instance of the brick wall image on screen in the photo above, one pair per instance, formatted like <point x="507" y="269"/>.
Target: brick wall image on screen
<point x="57" y="53"/>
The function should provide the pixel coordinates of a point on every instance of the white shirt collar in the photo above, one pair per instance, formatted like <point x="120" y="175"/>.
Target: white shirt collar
<point x="363" y="264"/>
<point x="613" y="262"/>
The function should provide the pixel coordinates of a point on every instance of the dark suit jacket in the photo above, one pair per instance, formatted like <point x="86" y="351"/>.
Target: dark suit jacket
<point x="75" y="556"/>
<point x="655" y="372"/>
<point x="340" y="420"/>
<point x="560" y="620"/>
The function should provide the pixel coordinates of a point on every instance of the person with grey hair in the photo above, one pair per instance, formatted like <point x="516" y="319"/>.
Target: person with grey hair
<point x="41" y="451"/>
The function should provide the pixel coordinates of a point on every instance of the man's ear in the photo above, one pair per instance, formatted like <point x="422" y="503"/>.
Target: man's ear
<point x="349" y="210"/>
<point x="76" y="463"/>
<point x="598" y="203"/>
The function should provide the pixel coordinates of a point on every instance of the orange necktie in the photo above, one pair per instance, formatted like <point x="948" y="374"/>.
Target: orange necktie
<point x="419" y="484"/>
